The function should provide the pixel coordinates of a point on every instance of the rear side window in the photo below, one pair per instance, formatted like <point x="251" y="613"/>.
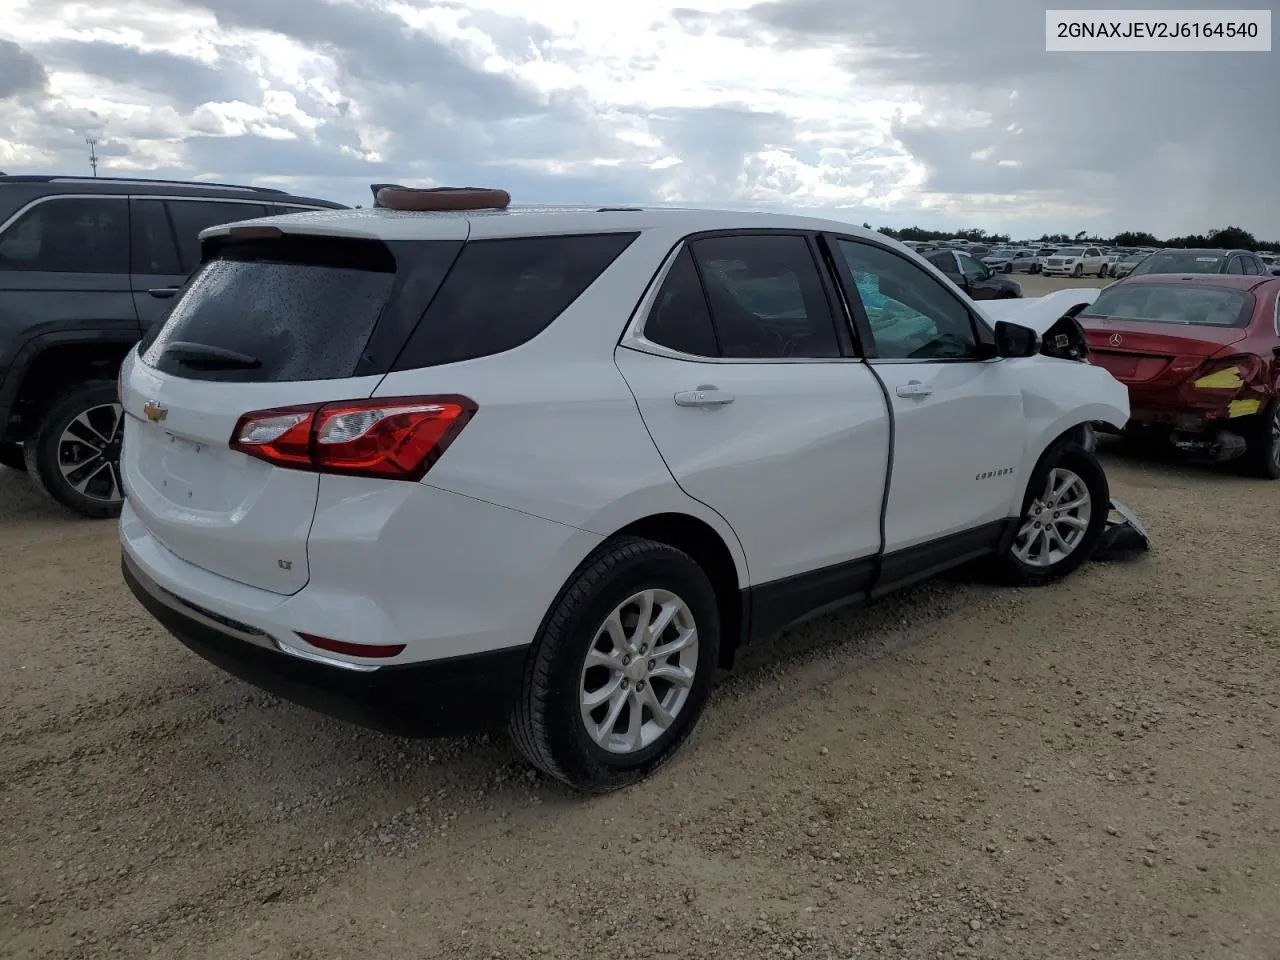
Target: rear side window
<point x="504" y="292"/>
<point x="766" y="297"/>
<point x="154" y="249"/>
<point x="680" y="319"/>
<point x="277" y="310"/>
<point x="69" y="235"/>
<point x="192" y="216"/>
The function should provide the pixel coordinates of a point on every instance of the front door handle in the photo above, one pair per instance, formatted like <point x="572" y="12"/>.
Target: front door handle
<point x="163" y="293"/>
<point x="914" y="390"/>
<point x="706" y="395"/>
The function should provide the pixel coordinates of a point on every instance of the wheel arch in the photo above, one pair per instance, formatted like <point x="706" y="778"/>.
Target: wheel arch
<point x="49" y="364"/>
<point x="709" y="549"/>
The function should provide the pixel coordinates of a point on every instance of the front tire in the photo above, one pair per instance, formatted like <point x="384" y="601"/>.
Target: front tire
<point x="621" y="668"/>
<point x="1078" y="272"/>
<point x="1064" y="514"/>
<point x="74" y="456"/>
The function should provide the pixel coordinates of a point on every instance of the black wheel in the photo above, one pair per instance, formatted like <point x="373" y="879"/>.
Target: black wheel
<point x="1078" y="272"/>
<point x="621" y="668"/>
<point x="11" y="456"/>
<point x="1102" y="271"/>
<point x="1262" y="450"/>
<point x="1064" y="514"/>
<point x="74" y="456"/>
<point x="1008" y="268"/>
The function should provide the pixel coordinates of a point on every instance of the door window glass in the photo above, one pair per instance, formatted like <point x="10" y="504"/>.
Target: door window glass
<point x="154" y="250"/>
<point x="680" y="318"/>
<point x="192" y="216"/>
<point x="911" y="314"/>
<point x="766" y="296"/>
<point x="69" y="235"/>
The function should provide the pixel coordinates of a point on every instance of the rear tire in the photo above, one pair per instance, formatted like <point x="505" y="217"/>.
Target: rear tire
<point x="74" y="456"/>
<point x="1262" y="444"/>
<point x="606" y="746"/>
<point x="11" y="456"/>
<point x="1064" y="514"/>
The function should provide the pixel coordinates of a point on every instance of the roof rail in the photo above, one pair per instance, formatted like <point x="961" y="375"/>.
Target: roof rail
<point x="196" y="184"/>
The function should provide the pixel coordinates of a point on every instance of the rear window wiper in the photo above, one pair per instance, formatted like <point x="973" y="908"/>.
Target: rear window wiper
<point x="202" y="355"/>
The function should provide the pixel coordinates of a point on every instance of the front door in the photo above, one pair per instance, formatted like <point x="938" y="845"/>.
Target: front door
<point x="958" y="423"/>
<point x="759" y="412"/>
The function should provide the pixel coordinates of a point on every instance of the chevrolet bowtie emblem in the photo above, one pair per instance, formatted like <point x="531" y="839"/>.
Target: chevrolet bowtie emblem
<point x="155" y="413"/>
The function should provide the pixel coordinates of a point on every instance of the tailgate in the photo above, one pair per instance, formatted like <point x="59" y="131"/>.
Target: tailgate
<point x="265" y="324"/>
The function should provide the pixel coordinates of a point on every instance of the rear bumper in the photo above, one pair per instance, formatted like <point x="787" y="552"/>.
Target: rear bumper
<point x="445" y="697"/>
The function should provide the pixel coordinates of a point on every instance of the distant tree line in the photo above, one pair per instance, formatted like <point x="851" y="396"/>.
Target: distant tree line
<point x="1232" y="238"/>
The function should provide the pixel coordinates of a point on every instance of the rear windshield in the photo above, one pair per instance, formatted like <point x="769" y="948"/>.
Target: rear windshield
<point x="277" y="310"/>
<point x="1181" y="263"/>
<point x="1173" y="303"/>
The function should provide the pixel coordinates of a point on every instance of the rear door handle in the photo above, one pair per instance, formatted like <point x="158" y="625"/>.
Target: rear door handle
<point x="706" y="395"/>
<point x="914" y="390"/>
<point x="163" y="293"/>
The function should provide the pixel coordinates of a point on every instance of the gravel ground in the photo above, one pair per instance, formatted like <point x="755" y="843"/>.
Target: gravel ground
<point x="1089" y="769"/>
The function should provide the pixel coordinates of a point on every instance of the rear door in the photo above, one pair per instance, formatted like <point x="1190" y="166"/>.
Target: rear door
<point x="303" y="310"/>
<point x="760" y="411"/>
<point x="64" y="266"/>
<point x="958" y="420"/>
<point x="166" y="245"/>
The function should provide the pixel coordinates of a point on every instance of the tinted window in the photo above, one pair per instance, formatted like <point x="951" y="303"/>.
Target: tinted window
<point x="1250" y="266"/>
<point x="1235" y="265"/>
<point x="944" y="262"/>
<point x="192" y="216"/>
<point x="766" y="296"/>
<point x="912" y="315"/>
<point x="680" y="318"/>
<point x="70" y="235"/>
<point x="303" y="308"/>
<point x="1173" y="303"/>
<point x="154" y="250"/>
<point x="502" y="293"/>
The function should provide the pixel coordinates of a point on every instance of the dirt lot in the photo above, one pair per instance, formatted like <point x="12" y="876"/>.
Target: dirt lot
<point x="1091" y="769"/>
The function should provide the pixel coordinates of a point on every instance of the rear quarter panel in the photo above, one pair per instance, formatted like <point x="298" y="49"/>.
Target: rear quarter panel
<point x="557" y="433"/>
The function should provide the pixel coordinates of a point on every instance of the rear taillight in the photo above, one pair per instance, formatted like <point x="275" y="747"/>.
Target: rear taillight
<point x="1227" y="373"/>
<point x="394" y="438"/>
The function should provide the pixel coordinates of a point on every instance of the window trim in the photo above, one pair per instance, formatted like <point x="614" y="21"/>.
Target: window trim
<point x="633" y="337"/>
<point x="983" y="334"/>
<point x="128" y="229"/>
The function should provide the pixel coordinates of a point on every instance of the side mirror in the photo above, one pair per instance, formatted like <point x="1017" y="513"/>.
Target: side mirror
<point x="1015" y="340"/>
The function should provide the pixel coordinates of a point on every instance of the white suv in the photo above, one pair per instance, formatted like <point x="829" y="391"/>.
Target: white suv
<point x="1075" y="262"/>
<point x="436" y="472"/>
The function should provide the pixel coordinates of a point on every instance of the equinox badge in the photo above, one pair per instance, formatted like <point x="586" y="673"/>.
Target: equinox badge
<point x="155" y="413"/>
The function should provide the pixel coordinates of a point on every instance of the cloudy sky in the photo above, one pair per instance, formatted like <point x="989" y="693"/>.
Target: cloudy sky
<point x="936" y="112"/>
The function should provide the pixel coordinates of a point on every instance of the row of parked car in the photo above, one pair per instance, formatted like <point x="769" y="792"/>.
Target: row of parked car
<point x="1099" y="261"/>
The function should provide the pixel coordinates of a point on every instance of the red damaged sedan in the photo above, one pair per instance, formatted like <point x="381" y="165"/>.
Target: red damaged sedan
<point x="1201" y="358"/>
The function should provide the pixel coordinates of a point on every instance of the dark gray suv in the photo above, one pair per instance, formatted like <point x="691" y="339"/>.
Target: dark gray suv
<point x="87" y="266"/>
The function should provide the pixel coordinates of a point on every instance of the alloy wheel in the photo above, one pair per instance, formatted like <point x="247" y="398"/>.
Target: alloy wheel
<point x="89" y="453"/>
<point x="639" y="671"/>
<point x="1056" y="522"/>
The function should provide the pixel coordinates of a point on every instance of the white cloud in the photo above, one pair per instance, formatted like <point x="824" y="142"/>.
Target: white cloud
<point x="865" y="107"/>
